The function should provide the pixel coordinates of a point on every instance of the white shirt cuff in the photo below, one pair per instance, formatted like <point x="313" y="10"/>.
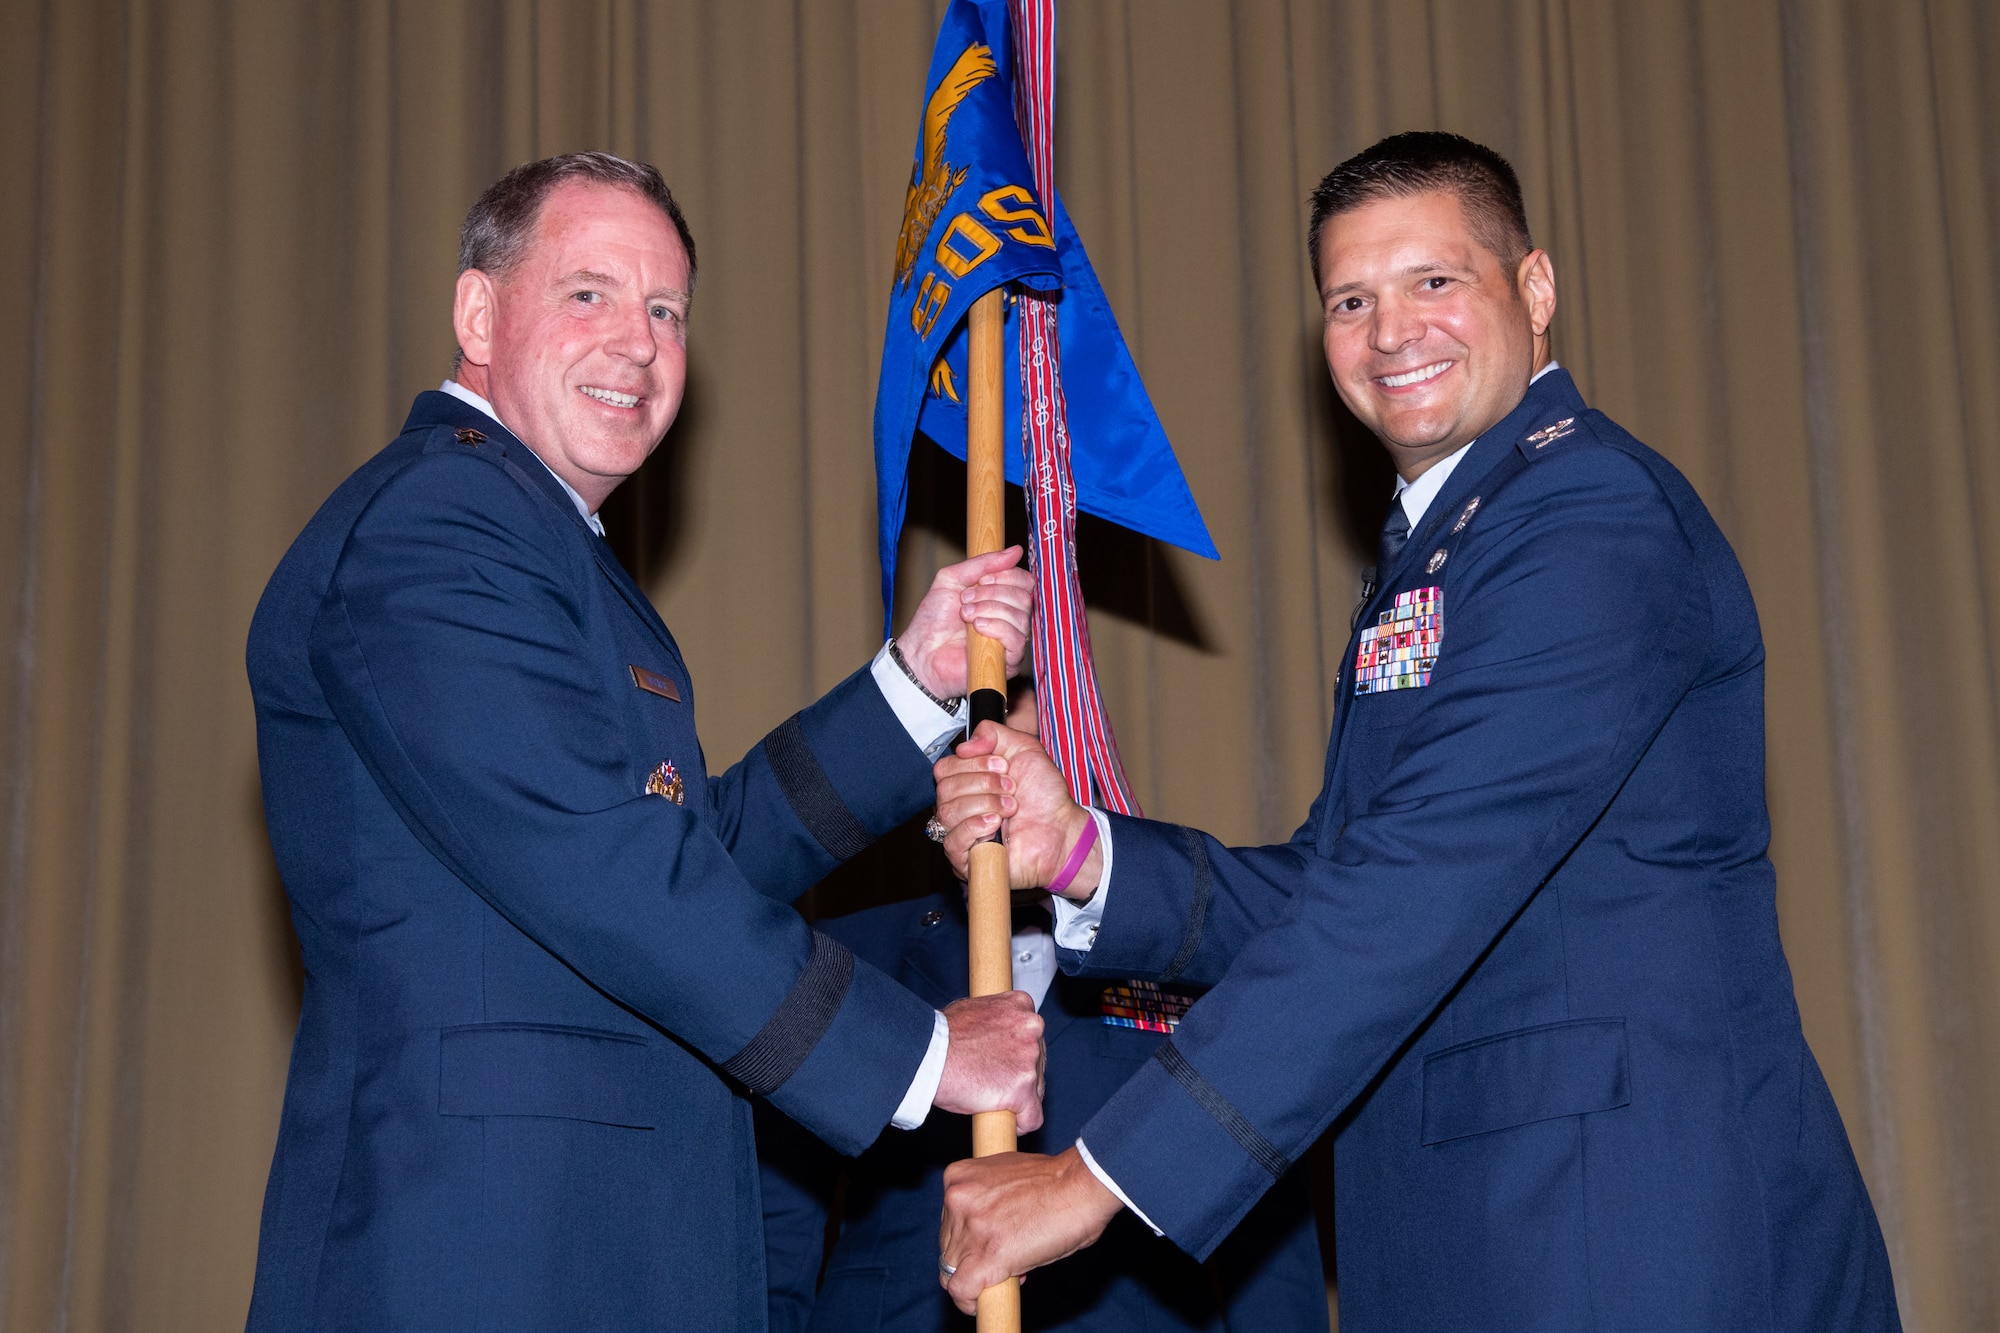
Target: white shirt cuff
<point x="923" y="1088"/>
<point x="933" y="729"/>
<point x="1076" y="927"/>
<point x="1112" y="1185"/>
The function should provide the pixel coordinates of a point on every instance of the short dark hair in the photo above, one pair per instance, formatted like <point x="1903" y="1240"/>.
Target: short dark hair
<point x="497" y="230"/>
<point x="1423" y="160"/>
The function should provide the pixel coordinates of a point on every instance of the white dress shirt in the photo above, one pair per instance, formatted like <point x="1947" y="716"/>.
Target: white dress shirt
<point x="1416" y="496"/>
<point x="929" y="726"/>
<point x="1033" y="961"/>
<point x="1076" y="926"/>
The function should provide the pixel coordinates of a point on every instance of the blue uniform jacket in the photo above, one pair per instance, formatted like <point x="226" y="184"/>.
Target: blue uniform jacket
<point x="881" y="1276"/>
<point x="536" y="994"/>
<point x="1523" y="954"/>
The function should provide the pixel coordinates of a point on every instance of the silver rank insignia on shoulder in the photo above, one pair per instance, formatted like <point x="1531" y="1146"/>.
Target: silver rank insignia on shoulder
<point x="1550" y="433"/>
<point x="1465" y="515"/>
<point x="664" y="781"/>
<point x="1436" y="562"/>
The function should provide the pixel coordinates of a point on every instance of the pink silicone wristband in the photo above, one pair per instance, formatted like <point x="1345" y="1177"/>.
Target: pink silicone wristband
<point x="1078" y="855"/>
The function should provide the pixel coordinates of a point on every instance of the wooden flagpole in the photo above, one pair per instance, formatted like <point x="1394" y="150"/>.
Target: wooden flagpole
<point x="989" y="902"/>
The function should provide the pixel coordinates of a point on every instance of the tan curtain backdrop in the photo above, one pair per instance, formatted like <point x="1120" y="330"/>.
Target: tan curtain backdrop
<point x="226" y="252"/>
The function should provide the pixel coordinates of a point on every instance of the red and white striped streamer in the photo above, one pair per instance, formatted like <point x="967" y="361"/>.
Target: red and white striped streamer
<point x="1074" y="729"/>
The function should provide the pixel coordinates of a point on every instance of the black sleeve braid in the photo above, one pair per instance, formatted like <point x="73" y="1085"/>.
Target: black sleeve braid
<point x="1197" y="906"/>
<point x="811" y="793"/>
<point x="1205" y="1096"/>
<point x="790" y="1034"/>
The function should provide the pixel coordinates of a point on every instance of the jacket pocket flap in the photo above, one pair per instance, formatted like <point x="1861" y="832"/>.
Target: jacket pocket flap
<point x="1516" y="1078"/>
<point x="1391" y="708"/>
<point x="546" y="1070"/>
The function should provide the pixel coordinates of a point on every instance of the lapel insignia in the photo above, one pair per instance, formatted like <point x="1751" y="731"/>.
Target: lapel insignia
<point x="1465" y="515"/>
<point x="467" y="435"/>
<point x="652" y="682"/>
<point x="1555" y="432"/>
<point x="1436" y="561"/>
<point x="1398" y="651"/>
<point x="664" y="781"/>
<point x="1145" y="1006"/>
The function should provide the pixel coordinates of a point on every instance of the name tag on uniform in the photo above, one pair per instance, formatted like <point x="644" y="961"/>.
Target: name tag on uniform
<point x="1398" y="651"/>
<point x="652" y="682"/>
<point x="1145" y="1006"/>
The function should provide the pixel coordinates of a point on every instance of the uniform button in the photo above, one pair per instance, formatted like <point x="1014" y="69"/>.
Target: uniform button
<point x="932" y="918"/>
<point x="1027" y="957"/>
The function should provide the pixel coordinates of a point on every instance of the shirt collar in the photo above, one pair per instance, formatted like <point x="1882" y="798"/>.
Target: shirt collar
<point x="457" y="390"/>
<point x="1416" y="496"/>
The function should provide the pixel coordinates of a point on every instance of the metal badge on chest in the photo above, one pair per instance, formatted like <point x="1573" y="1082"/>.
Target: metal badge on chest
<point x="666" y="781"/>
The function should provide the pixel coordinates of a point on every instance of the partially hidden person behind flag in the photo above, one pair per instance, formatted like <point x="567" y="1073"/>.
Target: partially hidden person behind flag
<point x="549" y="955"/>
<point x="880" y="1269"/>
<point x="1522" y="957"/>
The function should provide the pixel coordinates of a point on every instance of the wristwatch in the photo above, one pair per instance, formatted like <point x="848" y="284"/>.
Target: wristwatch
<point x="950" y="706"/>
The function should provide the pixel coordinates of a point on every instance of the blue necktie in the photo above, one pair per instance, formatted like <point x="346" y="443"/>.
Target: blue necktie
<point x="1395" y="531"/>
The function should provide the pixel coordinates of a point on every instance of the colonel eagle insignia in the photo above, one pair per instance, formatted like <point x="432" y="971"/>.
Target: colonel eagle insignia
<point x="932" y="179"/>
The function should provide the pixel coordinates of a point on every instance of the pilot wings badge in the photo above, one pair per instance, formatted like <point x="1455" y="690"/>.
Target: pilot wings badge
<point x="932" y="179"/>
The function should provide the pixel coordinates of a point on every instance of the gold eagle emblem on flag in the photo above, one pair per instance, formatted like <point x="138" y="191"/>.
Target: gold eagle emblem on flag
<point x="932" y="179"/>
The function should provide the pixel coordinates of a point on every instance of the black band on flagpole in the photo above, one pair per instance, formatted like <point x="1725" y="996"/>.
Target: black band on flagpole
<point x="987" y="706"/>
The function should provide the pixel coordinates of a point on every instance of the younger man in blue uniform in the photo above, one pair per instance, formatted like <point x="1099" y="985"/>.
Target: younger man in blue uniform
<point x="1522" y="956"/>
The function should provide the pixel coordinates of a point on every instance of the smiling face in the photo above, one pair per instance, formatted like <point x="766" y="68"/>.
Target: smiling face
<point x="582" y="346"/>
<point x="1430" y="339"/>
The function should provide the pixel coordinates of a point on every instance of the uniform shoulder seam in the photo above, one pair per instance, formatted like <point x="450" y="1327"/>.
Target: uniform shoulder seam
<point x="550" y="524"/>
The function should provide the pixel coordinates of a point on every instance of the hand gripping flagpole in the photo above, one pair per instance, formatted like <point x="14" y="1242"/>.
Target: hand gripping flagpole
<point x="988" y="902"/>
<point x="945" y="331"/>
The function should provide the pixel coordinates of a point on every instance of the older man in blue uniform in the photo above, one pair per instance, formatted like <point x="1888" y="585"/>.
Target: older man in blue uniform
<point x="1522" y="957"/>
<point x="547" y="952"/>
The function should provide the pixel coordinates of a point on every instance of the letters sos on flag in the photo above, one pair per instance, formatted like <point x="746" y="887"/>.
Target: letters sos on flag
<point x="973" y="221"/>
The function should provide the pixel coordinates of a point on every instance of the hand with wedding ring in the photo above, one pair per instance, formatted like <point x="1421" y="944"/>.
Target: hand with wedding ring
<point x="1002" y="780"/>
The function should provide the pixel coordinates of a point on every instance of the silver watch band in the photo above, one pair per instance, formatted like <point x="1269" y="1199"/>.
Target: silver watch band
<point x="950" y="706"/>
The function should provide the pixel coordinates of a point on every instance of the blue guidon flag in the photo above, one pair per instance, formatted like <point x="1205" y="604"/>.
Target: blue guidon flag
<point x="977" y="216"/>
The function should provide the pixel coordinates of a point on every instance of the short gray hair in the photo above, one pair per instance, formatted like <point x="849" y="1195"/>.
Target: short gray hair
<point x="497" y="230"/>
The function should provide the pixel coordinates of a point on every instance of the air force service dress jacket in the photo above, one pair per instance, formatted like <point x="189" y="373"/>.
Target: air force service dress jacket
<point x="1523" y="955"/>
<point x="882" y="1274"/>
<point x="546" y="951"/>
